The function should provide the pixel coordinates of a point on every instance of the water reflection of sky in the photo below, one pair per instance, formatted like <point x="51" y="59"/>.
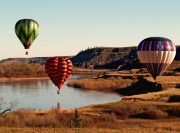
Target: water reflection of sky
<point x="41" y="94"/>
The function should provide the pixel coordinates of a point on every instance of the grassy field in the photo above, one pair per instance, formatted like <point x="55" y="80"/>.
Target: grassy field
<point x="155" y="96"/>
<point x="130" y="126"/>
<point x="116" y="117"/>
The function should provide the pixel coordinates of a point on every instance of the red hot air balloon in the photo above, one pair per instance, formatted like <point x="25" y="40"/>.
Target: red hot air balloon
<point x="58" y="69"/>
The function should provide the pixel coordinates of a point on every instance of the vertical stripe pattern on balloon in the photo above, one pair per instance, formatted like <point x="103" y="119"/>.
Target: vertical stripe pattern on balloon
<point x="156" y="53"/>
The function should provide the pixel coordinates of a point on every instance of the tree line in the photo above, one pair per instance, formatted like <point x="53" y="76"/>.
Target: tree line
<point x="17" y="70"/>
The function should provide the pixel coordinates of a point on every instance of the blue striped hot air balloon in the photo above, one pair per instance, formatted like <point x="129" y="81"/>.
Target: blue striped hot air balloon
<point x="156" y="53"/>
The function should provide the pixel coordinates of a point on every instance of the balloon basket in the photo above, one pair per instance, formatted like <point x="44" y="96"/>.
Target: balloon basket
<point x="58" y="92"/>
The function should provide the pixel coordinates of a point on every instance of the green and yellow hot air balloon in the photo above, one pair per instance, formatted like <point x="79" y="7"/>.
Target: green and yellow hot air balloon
<point x="27" y="30"/>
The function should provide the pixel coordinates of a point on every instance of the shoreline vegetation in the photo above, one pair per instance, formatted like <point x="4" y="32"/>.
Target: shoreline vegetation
<point x="24" y="70"/>
<point x="25" y="78"/>
<point x="147" y="106"/>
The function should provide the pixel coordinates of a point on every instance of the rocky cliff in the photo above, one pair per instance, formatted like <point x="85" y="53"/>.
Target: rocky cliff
<point x="122" y="58"/>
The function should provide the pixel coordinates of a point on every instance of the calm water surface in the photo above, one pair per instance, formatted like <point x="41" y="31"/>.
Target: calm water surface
<point x="42" y="94"/>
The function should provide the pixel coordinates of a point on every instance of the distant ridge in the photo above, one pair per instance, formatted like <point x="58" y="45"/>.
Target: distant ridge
<point x="33" y="60"/>
<point x="119" y="58"/>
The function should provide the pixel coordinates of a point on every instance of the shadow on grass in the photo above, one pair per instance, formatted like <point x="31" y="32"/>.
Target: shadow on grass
<point x="140" y="87"/>
<point x="176" y="69"/>
<point x="175" y="98"/>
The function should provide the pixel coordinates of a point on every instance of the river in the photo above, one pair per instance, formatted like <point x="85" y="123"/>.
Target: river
<point x="41" y="94"/>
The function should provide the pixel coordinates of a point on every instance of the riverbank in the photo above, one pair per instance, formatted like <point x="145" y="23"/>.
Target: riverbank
<point x="133" y="86"/>
<point x="89" y="71"/>
<point x="145" y="108"/>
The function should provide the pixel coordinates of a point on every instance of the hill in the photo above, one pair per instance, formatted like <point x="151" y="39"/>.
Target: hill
<point x="118" y="58"/>
<point x="122" y="58"/>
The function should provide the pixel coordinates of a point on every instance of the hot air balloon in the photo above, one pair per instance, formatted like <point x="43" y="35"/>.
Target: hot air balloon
<point x="156" y="53"/>
<point x="27" y="30"/>
<point x="58" y="69"/>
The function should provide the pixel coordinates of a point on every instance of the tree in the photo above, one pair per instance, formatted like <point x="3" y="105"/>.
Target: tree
<point x="12" y="104"/>
<point x="76" y="119"/>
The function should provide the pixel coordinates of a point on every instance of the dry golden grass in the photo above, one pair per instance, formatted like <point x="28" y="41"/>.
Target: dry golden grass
<point x="88" y="71"/>
<point x="125" y="126"/>
<point x="113" y="117"/>
<point x="155" y="96"/>
<point x="102" y="84"/>
<point x="132" y="109"/>
<point x="147" y="76"/>
<point x="165" y="79"/>
<point x="58" y="130"/>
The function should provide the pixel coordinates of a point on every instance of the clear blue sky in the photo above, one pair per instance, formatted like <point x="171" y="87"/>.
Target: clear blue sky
<point x="68" y="26"/>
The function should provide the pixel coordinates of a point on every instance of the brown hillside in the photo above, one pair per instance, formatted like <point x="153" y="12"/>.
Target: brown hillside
<point x="122" y="58"/>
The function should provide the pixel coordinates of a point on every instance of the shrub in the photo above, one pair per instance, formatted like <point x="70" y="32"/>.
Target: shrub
<point x="165" y="86"/>
<point x="173" y="111"/>
<point x="22" y="70"/>
<point x="105" y="117"/>
<point x="151" y="114"/>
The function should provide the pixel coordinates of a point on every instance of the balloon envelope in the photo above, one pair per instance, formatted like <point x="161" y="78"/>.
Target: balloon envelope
<point x="27" y="30"/>
<point x="156" y="53"/>
<point x="58" y="69"/>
